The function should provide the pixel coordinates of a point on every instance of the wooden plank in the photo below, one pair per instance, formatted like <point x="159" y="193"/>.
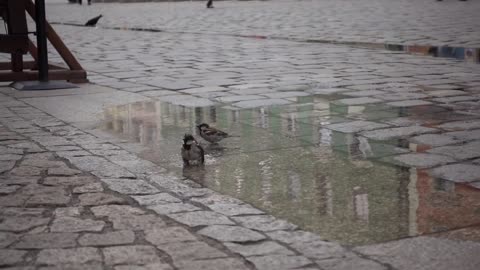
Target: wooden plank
<point x="17" y="20"/>
<point x="32" y="49"/>
<point x="28" y="65"/>
<point x="17" y="62"/>
<point x="13" y="44"/>
<point x="69" y="75"/>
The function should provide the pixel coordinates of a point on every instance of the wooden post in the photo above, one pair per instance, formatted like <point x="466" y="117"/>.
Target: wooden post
<point x="56" y="41"/>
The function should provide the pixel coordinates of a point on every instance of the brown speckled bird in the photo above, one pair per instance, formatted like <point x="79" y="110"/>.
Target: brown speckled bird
<point x="191" y="151"/>
<point x="211" y="134"/>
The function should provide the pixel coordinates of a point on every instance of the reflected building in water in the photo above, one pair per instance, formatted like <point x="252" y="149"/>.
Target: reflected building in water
<point x="283" y="161"/>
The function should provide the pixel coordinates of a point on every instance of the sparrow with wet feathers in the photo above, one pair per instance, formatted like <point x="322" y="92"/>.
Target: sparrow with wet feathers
<point x="192" y="151"/>
<point x="211" y="134"/>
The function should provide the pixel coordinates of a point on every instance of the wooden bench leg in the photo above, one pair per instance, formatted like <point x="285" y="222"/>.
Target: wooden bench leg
<point x="17" y="62"/>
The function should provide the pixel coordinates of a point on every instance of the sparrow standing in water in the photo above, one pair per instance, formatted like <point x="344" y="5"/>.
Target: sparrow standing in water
<point x="210" y="134"/>
<point x="192" y="151"/>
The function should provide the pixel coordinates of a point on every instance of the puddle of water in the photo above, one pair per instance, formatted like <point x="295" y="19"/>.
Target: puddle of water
<point x="285" y="162"/>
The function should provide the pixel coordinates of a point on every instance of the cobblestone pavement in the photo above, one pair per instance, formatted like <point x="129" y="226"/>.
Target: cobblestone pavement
<point x="72" y="197"/>
<point x="423" y="22"/>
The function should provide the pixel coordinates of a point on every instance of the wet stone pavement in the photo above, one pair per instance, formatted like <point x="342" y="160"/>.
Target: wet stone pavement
<point x="341" y="157"/>
<point x="412" y="22"/>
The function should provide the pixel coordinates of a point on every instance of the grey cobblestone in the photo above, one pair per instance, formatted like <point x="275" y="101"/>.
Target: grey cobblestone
<point x="99" y="167"/>
<point x="264" y="223"/>
<point x="263" y="248"/>
<point x="138" y="254"/>
<point x="83" y="255"/>
<point x="68" y="211"/>
<point x="129" y="186"/>
<point x="62" y="171"/>
<point x="350" y="261"/>
<point x="47" y="240"/>
<point x="143" y="222"/>
<point x="231" y="233"/>
<point x="19" y="224"/>
<point x="160" y="236"/>
<point x="68" y="181"/>
<point x="99" y="199"/>
<point x="172" y="208"/>
<point x="71" y="224"/>
<point x="235" y="209"/>
<point x="6" y="166"/>
<point x="271" y="262"/>
<point x="183" y="253"/>
<point x="116" y="211"/>
<point x="4" y="189"/>
<point x="27" y="171"/>
<point x="10" y="256"/>
<point x="92" y="187"/>
<point x="215" y="264"/>
<point x="150" y="266"/>
<point x="200" y="218"/>
<point x="161" y="198"/>
<point x="44" y="195"/>
<point x="320" y="249"/>
<point x="7" y="238"/>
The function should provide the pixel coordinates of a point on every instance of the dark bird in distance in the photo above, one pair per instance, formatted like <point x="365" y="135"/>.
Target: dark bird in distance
<point x="211" y="134"/>
<point x="210" y="4"/>
<point x="192" y="151"/>
<point x="93" y="21"/>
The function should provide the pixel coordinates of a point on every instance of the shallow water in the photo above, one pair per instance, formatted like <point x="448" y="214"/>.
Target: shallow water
<point x="283" y="160"/>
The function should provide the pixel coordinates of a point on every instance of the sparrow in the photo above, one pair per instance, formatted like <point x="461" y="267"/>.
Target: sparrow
<point x="192" y="151"/>
<point x="93" y="21"/>
<point x="210" y="4"/>
<point x="210" y="134"/>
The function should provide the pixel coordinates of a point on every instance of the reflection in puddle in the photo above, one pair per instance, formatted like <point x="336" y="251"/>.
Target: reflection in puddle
<point x="460" y="53"/>
<point x="283" y="161"/>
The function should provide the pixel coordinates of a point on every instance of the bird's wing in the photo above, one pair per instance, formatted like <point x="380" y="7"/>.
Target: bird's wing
<point x="215" y="132"/>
